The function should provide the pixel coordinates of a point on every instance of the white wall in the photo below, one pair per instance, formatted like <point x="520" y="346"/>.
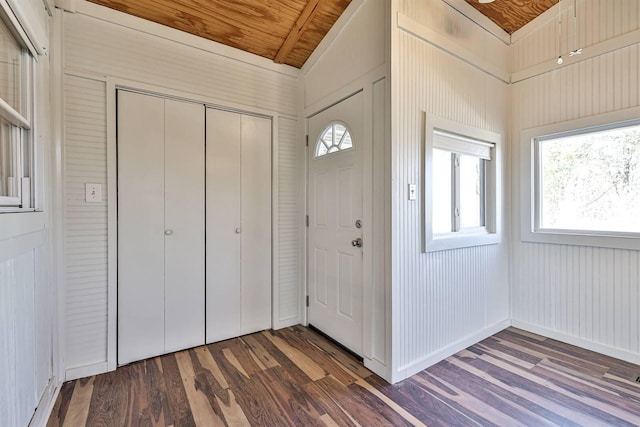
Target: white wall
<point x="102" y="49"/>
<point x="442" y="301"/>
<point x="26" y="284"/>
<point x="354" y="56"/>
<point x="587" y="296"/>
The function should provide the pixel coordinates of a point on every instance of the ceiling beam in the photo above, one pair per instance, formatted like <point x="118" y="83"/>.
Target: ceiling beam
<point x="310" y="10"/>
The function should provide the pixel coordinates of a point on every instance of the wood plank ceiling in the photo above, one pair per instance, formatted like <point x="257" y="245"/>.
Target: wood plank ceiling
<point x="286" y="31"/>
<point x="511" y="15"/>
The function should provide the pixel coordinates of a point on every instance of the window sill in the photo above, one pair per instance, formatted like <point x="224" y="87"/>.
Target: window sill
<point x="462" y="240"/>
<point x="15" y="224"/>
<point x="583" y="238"/>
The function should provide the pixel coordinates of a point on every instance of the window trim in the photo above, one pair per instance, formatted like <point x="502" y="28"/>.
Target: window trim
<point x="529" y="190"/>
<point x="22" y="123"/>
<point x="319" y="140"/>
<point x="488" y="234"/>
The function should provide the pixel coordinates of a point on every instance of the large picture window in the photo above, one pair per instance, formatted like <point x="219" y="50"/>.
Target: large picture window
<point x="16" y="153"/>
<point x="581" y="182"/>
<point x="460" y="186"/>
<point x="590" y="181"/>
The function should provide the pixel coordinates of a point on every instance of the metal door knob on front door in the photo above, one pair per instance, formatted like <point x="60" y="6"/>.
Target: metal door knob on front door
<point x="357" y="243"/>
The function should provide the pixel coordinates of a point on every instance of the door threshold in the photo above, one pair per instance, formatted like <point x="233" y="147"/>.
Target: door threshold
<point x="347" y="349"/>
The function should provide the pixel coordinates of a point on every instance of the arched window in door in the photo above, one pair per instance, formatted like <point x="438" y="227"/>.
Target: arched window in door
<point x="335" y="137"/>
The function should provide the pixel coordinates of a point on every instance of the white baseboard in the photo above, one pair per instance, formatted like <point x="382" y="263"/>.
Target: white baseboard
<point x="85" y="371"/>
<point x="618" y="353"/>
<point x="45" y="406"/>
<point x="285" y="323"/>
<point x="441" y="354"/>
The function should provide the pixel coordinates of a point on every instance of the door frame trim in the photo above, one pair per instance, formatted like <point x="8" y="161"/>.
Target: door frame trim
<point x="367" y="214"/>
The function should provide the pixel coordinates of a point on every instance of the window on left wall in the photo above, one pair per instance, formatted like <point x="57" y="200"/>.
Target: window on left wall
<point x="16" y="145"/>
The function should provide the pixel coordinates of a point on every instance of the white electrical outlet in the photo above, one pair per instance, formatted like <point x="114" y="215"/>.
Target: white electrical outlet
<point x="93" y="193"/>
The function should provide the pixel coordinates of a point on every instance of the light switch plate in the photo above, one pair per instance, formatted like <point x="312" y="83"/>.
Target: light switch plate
<point x="93" y="193"/>
<point x="412" y="192"/>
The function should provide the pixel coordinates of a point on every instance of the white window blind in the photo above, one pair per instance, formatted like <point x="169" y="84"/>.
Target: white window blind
<point x="462" y="145"/>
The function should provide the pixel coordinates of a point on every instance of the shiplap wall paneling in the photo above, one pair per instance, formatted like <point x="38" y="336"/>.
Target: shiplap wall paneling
<point x="20" y="390"/>
<point x="85" y="235"/>
<point x="238" y="224"/>
<point x="96" y="46"/>
<point x="160" y="226"/>
<point x="289" y="215"/>
<point x="441" y="299"/>
<point x="597" y="21"/>
<point x="358" y="49"/>
<point x="584" y="295"/>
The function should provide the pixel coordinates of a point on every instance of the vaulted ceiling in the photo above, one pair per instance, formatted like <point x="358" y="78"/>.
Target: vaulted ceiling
<point x="286" y="31"/>
<point x="511" y="15"/>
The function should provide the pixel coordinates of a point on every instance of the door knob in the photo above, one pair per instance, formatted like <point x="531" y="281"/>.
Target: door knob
<point x="168" y="232"/>
<point x="357" y="243"/>
<point x="238" y="231"/>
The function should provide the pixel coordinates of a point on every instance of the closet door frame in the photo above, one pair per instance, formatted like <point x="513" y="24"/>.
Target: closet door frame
<point x="114" y="84"/>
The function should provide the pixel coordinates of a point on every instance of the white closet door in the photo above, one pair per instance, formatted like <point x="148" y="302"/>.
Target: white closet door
<point x="223" y="225"/>
<point x="184" y="225"/>
<point x="140" y="226"/>
<point x="256" y="224"/>
<point x="238" y="224"/>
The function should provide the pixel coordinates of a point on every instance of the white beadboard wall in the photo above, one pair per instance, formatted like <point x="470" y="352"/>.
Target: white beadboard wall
<point x="17" y="340"/>
<point x="85" y="269"/>
<point x="442" y="301"/>
<point x="597" y="21"/>
<point x="358" y="48"/>
<point x="25" y="318"/>
<point x="587" y="296"/>
<point x="107" y="49"/>
<point x="110" y="45"/>
<point x="290" y="245"/>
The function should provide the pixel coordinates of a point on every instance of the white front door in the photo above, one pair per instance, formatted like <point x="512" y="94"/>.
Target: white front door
<point x="335" y="222"/>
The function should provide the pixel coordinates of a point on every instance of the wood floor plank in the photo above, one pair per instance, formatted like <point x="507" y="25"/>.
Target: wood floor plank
<point x="308" y="366"/>
<point x="60" y="408"/>
<point x="233" y="413"/>
<point x="206" y="359"/>
<point x="328" y="406"/>
<point x="176" y="393"/>
<point x="297" y="377"/>
<point x="110" y="399"/>
<point x="78" y="411"/>
<point x="334" y="351"/>
<point x="329" y="365"/>
<point x="157" y="395"/>
<point x="290" y="397"/>
<point x="231" y="358"/>
<point x="520" y="404"/>
<point x="263" y="355"/>
<point x="201" y="409"/>
<point x="287" y="364"/>
<point x="572" y="403"/>
<point x="366" y="409"/>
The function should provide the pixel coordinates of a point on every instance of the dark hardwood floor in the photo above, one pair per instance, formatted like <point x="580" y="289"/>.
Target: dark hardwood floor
<point x="296" y="377"/>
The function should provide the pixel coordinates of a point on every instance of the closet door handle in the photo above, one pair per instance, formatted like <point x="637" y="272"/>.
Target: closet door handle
<point x="238" y="231"/>
<point x="168" y="232"/>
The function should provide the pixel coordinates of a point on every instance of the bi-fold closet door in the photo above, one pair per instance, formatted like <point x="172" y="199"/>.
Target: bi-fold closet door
<point x="165" y="303"/>
<point x="161" y="234"/>
<point x="238" y="260"/>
